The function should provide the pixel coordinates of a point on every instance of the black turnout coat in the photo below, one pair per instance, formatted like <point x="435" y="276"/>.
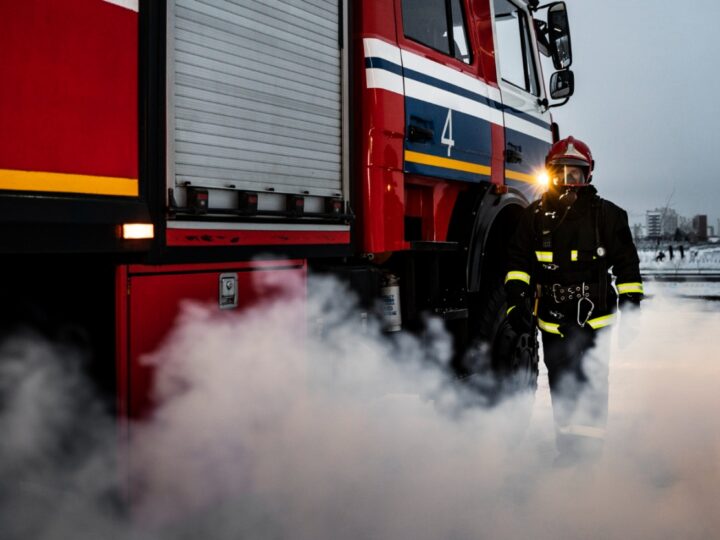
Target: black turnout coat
<point x="565" y="254"/>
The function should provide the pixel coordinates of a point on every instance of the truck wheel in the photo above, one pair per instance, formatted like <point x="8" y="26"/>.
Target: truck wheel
<point x="499" y="362"/>
<point x="515" y="360"/>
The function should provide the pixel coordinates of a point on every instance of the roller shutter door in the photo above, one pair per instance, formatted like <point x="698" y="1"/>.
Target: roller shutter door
<point x="255" y="100"/>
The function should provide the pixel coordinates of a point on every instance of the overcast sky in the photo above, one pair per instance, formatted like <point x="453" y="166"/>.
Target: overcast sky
<point x="647" y="101"/>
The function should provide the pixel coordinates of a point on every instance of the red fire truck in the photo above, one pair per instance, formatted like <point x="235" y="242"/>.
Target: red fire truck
<point x="156" y="151"/>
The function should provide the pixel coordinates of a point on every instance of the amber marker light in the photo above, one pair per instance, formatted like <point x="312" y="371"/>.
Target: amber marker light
<point x="138" y="231"/>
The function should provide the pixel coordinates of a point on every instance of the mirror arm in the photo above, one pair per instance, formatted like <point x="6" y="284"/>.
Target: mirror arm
<point x="534" y="5"/>
<point x="544" y="103"/>
<point x="559" y="104"/>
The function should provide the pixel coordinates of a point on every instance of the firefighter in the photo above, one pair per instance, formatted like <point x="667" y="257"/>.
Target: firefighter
<point x="559" y="263"/>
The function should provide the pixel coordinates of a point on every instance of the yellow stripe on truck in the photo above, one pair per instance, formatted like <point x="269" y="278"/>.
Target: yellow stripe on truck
<point x="446" y="163"/>
<point x="68" y="183"/>
<point x="522" y="177"/>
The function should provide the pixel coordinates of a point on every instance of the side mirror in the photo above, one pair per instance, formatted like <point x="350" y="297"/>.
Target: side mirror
<point x="558" y="30"/>
<point x="562" y="84"/>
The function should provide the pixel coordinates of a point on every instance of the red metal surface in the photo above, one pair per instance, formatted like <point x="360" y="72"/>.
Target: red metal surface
<point x="445" y="196"/>
<point x="374" y="18"/>
<point x="480" y="23"/>
<point x="381" y="130"/>
<point x="433" y="201"/>
<point x="68" y="100"/>
<point x="147" y="269"/>
<point x="153" y="298"/>
<point x="498" y="154"/>
<point x="211" y="237"/>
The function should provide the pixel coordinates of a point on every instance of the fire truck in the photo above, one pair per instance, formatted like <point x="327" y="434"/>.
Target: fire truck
<point x="157" y="151"/>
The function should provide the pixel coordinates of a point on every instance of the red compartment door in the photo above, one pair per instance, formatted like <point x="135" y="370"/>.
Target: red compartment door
<point x="150" y="299"/>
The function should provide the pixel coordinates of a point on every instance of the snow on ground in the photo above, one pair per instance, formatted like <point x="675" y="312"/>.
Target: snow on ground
<point x="697" y="259"/>
<point x="684" y="289"/>
<point x="698" y="262"/>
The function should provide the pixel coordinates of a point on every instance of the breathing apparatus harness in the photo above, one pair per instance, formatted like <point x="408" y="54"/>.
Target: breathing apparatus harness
<point x="546" y="223"/>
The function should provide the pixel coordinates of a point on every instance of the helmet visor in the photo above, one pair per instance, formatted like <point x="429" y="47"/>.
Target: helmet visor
<point x="568" y="175"/>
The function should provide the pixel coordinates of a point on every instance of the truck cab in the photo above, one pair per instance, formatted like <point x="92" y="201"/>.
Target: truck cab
<point x="463" y="104"/>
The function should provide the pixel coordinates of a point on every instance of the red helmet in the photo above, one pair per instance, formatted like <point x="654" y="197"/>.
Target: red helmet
<point x="569" y="163"/>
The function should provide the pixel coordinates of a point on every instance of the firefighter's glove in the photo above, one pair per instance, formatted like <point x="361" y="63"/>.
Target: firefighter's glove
<point x="520" y="317"/>
<point x="629" y="319"/>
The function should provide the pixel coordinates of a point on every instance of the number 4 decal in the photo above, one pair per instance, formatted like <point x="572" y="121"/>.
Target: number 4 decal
<point x="447" y="136"/>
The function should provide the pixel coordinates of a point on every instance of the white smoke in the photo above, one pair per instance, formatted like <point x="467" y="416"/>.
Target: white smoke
<point x="57" y="453"/>
<point x="265" y="429"/>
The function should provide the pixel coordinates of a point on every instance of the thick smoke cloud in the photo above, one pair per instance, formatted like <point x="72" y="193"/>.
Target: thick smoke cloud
<point x="266" y="430"/>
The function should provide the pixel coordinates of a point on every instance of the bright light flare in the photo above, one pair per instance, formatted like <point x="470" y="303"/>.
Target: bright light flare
<point x="137" y="231"/>
<point x="543" y="179"/>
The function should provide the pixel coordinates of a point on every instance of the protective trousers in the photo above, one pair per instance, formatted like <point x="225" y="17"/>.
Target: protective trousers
<point x="578" y="374"/>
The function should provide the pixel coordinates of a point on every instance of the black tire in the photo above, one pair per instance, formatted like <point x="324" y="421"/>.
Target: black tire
<point x="499" y="363"/>
<point x="515" y="360"/>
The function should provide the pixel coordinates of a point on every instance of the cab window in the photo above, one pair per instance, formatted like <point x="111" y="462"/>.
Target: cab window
<point x="514" y="51"/>
<point x="438" y="24"/>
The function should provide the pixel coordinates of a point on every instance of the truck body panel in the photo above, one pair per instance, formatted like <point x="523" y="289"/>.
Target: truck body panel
<point x="353" y="137"/>
<point x="69" y="101"/>
<point x="255" y="97"/>
<point x="459" y="125"/>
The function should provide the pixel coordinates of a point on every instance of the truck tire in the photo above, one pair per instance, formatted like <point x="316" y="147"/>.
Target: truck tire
<point x="499" y="363"/>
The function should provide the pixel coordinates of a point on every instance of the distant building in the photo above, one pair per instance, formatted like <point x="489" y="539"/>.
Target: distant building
<point x="669" y="222"/>
<point x="638" y="231"/>
<point x="653" y="223"/>
<point x="662" y="222"/>
<point x="700" y="226"/>
<point x="685" y="225"/>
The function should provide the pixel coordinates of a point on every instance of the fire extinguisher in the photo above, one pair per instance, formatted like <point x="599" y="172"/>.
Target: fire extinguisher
<point x="390" y="294"/>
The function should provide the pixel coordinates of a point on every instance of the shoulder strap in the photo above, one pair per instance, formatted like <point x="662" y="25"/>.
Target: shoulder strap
<point x="598" y="217"/>
<point x="600" y="251"/>
<point x="544" y="230"/>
